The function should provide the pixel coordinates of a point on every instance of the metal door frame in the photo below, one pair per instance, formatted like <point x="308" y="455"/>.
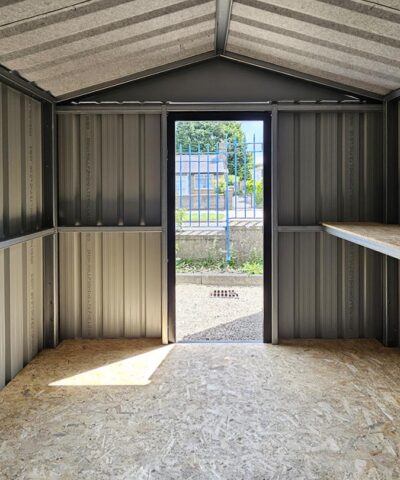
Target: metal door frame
<point x="266" y="117"/>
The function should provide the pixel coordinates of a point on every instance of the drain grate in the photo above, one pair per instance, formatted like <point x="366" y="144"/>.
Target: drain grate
<point x="218" y="293"/>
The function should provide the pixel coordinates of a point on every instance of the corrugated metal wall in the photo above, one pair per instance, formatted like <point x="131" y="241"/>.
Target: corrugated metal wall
<point x="21" y="212"/>
<point x="110" y="175"/>
<point x="21" y="172"/>
<point x="330" y="167"/>
<point x="109" y="169"/>
<point x="21" y="306"/>
<point x="110" y="284"/>
<point x="328" y="288"/>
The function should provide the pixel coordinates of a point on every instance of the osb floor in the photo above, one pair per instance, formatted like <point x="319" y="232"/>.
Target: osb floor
<point x="304" y="410"/>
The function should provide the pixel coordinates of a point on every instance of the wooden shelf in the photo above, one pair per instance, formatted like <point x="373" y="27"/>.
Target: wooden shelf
<point x="382" y="238"/>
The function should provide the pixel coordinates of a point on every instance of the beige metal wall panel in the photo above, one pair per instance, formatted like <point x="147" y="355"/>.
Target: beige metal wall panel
<point x="17" y="309"/>
<point x="21" y="306"/>
<point x="328" y="288"/>
<point x="109" y="169"/>
<point x="34" y="299"/>
<point x="152" y="284"/>
<point x="21" y="172"/>
<point x="113" y="285"/>
<point x="70" y="285"/>
<point x="110" y="284"/>
<point x="133" y="286"/>
<point x="330" y="167"/>
<point x="91" y="278"/>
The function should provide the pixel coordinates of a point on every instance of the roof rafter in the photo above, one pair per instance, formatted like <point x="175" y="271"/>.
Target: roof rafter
<point x="222" y="19"/>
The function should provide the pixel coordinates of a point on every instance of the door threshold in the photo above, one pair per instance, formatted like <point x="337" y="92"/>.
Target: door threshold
<point x="257" y="342"/>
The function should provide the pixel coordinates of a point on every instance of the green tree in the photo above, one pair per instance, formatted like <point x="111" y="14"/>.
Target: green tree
<point x="208" y="135"/>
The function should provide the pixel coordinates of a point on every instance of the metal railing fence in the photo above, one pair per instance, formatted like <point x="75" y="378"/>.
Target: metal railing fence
<point x="215" y="186"/>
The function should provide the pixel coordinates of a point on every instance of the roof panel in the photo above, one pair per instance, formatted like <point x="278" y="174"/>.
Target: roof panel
<point x="103" y="40"/>
<point x="298" y="64"/>
<point x="356" y="43"/>
<point x="67" y="45"/>
<point x="324" y="52"/>
<point x="129" y="51"/>
<point x="13" y="11"/>
<point x="14" y="38"/>
<point x="127" y="65"/>
<point x="40" y="57"/>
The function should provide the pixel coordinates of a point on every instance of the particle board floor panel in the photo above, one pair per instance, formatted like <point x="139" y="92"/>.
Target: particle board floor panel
<point x="126" y="409"/>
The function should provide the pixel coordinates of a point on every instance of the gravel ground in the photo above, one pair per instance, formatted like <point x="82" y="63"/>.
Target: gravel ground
<point x="201" y="317"/>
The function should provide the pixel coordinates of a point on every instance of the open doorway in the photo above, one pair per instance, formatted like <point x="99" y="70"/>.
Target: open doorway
<point x="219" y="241"/>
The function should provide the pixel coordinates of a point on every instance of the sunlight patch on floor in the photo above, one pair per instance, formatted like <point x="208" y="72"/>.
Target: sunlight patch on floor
<point x="135" y="370"/>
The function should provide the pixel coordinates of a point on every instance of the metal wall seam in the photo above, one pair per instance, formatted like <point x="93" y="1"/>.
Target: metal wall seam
<point x="164" y="223"/>
<point x="110" y="285"/>
<point x="26" y="238"/>
<point x="275" y="237"/>
<point x="109" y="170"/>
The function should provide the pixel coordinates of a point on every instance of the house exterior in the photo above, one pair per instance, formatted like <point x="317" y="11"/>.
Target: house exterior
<point x="199" y="172"/>
<point x="197" y="177"/>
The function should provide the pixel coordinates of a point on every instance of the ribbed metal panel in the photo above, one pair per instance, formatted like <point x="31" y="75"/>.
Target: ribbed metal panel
<point x="21" y="173"/>
<point x="330" y="167"/>
<point x="21" y="306"/>
<point x="109" y="169"/>
<point x="328" y="288"/>
<point x="110" y="285"/>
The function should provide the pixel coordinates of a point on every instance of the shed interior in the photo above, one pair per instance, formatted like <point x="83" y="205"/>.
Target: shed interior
<point x="86" y="93"/>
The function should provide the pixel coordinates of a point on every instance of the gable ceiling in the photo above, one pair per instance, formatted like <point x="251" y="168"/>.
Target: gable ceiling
<point x="68" y="46"/>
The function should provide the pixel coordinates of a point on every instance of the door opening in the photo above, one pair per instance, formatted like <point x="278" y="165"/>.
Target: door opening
<point x="219" y="234"/>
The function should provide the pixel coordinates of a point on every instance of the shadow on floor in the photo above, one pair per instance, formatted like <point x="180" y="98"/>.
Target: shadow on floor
<point x="249" y="327"/>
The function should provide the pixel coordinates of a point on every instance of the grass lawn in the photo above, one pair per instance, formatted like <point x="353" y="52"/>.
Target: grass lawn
<point x="203" y="217"/>
<point x="253" y="267"/>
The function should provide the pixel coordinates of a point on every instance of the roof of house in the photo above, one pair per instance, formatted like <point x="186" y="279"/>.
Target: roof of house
<point x="71" y="47"/>
<point x="198" y="163"/>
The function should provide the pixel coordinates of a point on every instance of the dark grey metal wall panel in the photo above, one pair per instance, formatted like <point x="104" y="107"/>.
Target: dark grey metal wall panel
<point x="21" y="306"/>
<point x="110" y="284"/>
<point x="109" y="169"/>
<point x="328" y="288"/>
<point x="21" y="170"/>
<point x="232" y="81"/>
<point x="330" y="167"/>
